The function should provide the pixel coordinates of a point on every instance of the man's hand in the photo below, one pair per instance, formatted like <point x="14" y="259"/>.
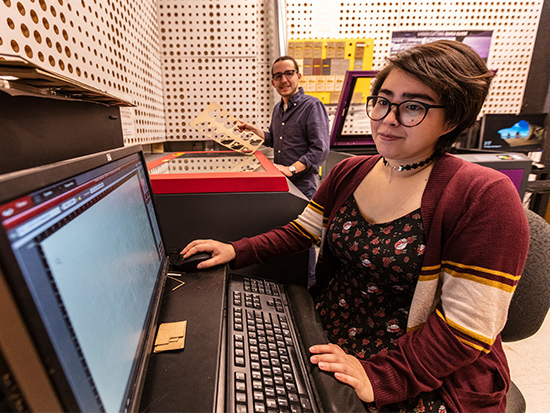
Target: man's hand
<point x="242" y="126"/>
<point x="284" y="169"/>
<point x="346" y="368"/>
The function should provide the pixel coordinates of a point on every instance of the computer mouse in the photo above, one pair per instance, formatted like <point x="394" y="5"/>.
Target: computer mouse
<point x="188" y="264"/>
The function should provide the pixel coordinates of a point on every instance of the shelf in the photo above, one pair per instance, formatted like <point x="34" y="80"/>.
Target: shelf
<point x="19" y="77"/>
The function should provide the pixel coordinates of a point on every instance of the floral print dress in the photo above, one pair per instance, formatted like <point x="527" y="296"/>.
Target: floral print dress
<point x="365" y="307"/>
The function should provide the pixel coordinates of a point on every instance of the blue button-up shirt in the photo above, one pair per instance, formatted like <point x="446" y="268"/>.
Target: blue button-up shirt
<point x="300" y="133"/>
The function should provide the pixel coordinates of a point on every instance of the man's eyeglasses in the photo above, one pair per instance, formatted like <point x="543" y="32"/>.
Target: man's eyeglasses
<point x="288" y="74"/>
<point x="409" y="113"/>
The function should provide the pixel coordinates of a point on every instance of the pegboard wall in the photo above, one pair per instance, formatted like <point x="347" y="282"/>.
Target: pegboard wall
<point x="111" y="45"/>
<point x="172" y="58"/>
<point x="514" y="25"/>
<point x="216" y="52"/>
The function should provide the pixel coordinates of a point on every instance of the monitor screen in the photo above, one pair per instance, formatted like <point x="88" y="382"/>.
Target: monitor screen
<point x="351" y="125"/>
<point x="509" y="132"/>
<point x="87" y="246"/>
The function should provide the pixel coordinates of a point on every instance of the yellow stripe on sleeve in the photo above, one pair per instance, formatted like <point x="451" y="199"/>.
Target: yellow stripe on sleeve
<point x="466" y="331"/>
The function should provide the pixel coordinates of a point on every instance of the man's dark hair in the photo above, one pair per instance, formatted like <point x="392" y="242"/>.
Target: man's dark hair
<point x="280" y="59"/>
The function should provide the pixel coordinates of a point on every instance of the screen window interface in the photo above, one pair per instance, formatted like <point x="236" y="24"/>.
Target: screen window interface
<point x="90" y="250"/>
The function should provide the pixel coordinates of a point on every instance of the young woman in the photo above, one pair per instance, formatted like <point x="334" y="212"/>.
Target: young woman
<point x="420" y="250"/>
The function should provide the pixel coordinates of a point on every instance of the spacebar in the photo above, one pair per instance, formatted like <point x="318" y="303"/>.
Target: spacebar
<point x="300" y="383"/>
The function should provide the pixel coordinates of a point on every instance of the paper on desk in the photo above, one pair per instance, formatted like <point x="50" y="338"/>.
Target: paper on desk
<point x="218" y="124"/>
<point x="170" y="336"/>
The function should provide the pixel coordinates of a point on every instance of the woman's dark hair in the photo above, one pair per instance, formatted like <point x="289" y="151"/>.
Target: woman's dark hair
<point x="455" y="72"/>
<point x="280" y="59"/>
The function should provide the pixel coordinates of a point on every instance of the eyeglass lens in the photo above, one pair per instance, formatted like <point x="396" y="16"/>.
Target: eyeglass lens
<point x="409" y="113"/>
<point x="288" y="74"/>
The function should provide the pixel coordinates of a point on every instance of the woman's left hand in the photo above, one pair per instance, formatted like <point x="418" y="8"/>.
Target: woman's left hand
<point x="346" y="368"/>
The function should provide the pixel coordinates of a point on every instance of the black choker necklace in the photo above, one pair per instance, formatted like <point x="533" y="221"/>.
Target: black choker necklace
<point x="411" y="166"/>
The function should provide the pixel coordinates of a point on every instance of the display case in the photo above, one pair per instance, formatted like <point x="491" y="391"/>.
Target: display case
<point x="215" y="171"/>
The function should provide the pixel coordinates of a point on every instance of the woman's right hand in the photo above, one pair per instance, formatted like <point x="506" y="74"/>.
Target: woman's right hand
<point x="221" y="253"/>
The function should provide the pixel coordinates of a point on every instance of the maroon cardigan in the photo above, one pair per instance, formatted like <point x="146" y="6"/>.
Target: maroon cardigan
<point x="476" y="243"/>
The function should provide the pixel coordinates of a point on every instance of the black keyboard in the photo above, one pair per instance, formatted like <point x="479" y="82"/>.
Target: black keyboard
<point x="265" y="370"/>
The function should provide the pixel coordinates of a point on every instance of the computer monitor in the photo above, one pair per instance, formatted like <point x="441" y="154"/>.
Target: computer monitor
<point x="351" y="126"/>
<point x="82" y="256"/>
<point x="510" y="132"/>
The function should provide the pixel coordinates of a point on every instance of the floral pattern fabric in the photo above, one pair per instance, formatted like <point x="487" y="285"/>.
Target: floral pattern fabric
<point x="366" y="305"/>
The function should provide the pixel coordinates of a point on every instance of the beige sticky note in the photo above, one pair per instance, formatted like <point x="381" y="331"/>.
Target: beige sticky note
<point x="219" y="125"/>
<point x="170" y="336"/>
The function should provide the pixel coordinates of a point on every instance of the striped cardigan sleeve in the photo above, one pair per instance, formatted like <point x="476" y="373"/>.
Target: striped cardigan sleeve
<point x="480" y="266"/>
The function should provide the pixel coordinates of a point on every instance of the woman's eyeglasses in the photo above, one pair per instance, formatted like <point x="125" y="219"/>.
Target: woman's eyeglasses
<point x="409" y="113"/>
<point x="288" y="74"/>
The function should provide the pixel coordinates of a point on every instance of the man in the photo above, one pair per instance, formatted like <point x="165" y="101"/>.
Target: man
<point x="299" y="130"/>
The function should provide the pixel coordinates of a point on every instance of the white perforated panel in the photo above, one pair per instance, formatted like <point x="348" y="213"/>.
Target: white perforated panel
<point x="173" y="58"/>
<point x="209" y="164"/>
<point x="216" y="51"/>
<point x="514" y="25"/>
<point x="111" y="45"/>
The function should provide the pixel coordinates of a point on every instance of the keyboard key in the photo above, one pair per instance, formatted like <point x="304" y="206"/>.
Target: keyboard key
<point x="293" y="398"/>
<point x="281" y="391"/>
<point x="283" y="402"/>
<point x="271" y="403"/>
<point x="240" y="397"/>
<point x="259" y="407"/>
<point x="305" y="403"/>
<point x="297" y="372"/>
<point x="295" y="408"/>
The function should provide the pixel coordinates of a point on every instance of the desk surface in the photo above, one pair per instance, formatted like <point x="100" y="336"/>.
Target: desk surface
<point x="187" y="380"/>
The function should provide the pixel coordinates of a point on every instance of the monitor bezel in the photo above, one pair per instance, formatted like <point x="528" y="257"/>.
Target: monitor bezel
<point x="492" y="117"/>
<point x="17" y="184"/>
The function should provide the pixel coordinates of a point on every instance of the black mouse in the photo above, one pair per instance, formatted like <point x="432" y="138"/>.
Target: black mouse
<point x="188" y="264"/>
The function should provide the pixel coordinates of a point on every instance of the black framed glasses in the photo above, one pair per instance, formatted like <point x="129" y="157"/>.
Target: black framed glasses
<point x="408" y="113"/>
<point x="288" y="74"/>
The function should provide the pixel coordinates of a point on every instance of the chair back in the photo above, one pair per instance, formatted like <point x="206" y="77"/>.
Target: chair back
<point x="531" y="299"/>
